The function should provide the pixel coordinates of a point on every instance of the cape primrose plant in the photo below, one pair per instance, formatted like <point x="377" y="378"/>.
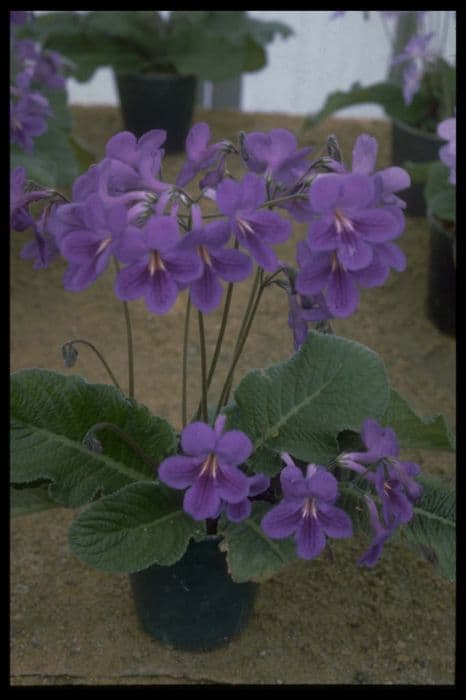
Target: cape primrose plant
<point x="283" y="460"/>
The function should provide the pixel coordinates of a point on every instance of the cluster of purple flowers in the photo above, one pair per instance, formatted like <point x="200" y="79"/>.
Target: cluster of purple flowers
<point x="210" y="471"/>
<point x="122" y="208"/>
<point x="393" y="480"/>
<point x="447" y="130"/>
<point x="33" y="69"/>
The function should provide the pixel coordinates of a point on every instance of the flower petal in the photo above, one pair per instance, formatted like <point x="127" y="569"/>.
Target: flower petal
<point x="231" y="265"/>
<point x="233" y="447"/>
<point x="206" y="292"/>
<point x="183" y="267"/>
<point x="314" y="275"/>
<point x="161" y="292"/>
<point x="132" y="281"/>
<point x="270" y="226"/>
<point x="162" y="233"/>
<point x="334" y="521"/>
<point x="198" y="439"/>
<point x="282" y="520"/>
<point x="179" y="471"/>
<point x="310" y="538"/>
<point x="236" y="512"/>
<point x="323" y="234"/>
<point x="364" y="155"/>
<point x="355" y="254"/>
<point x="382" y="441"/>
<point x="390" y="254"/>
<point x="342" y="293"/>
<point x="258" y="484"/>
<point x="321" y="484"/>
<point x="379" y="225"/>
<point x="202" y="499"/>
<point x="232" y="484"/>
<point x="262" y="254"/>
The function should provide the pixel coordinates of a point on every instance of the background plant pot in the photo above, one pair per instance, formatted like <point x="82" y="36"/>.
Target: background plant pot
<point x="409" y="144"/>
<point x="193" y="604"/>
<point x="441" y="291"/>
<point x="158" y="101"/>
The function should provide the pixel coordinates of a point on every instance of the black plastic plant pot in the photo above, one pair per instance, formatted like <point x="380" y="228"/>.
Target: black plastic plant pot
<point x="441" y="291"/>
<point x="194" y="604"/>
<point x="158" y="101"/>
<point x="409" y="144"/>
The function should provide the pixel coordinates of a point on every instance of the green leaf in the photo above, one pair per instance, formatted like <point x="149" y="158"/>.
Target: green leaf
<point x="299" y="406"/>
<point x="50" y="416"/>
<point x="432" y="530"/>
<point x="30" y="499"/>
<point x="140" y="525"/>
<point x="419" y="172"/>
<point x="388" y="95"/>
<point x="251" y="555"/>
<point x="414" y="431"/>
<point x="440" y="194"/>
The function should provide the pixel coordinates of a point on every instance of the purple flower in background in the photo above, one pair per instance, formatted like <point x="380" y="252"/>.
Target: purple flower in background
<point x="208" y="242"/>
<point x="416" y="48"/>
<point x="237" y="512"/>
<point x="157" y="266"/>
<point x="20" y="17"/>
<point x="135" y="163"/>
<point x="200" y="154"/>
<point x="28" y="118"/>
<point x="307" y="509"/>
<point x="275" y="155"/>
<point x="254" y="228"/>
<point x="447" y="130"/>
<point x="412" y="75"/>
<point x="44" y="66"/>
<point x="89" y="248"/>
<point x="208" y="468"/>
<point x="381" y="534"/>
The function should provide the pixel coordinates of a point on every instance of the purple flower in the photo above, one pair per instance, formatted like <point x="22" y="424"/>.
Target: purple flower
<point x="447" y="130"/>
<point x="254" y="228"/>
<point x="28" y="119"/>
<point x="157" y="266"/>
<point x="20" y="219"/>
<point x="393" y="479"/>
<point x="412" y="75"/>
<point x="209" y="467"/>
<point x="135" y="164"/>
<point x="307" y="510"/>
<point x="347" y="220"/>
<point x="237" y="512"/>
<point x="200" y="154"/>
<point x="303" y="310"/>
<point x="416" y="48"/>
<point x="275" y="155"/>
<point x="89" y="247"/>
<point x="381" y="534"/>
<point x="20" y="16"/>
<point x="208" y="242"/>
<point x="42" y="249"/>
<point x="387" y="181"/>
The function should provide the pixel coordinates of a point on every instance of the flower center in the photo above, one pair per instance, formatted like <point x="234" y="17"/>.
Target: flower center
<point x="309" y="509"/>
<point x="244" y="226"/>
<point x="155" y="262"/>
<point x="209" y="467"/>
<point x="342" y="222"/>
<point x="386" y="488"/>
<point x="204" y="255"/>
<point x="103" y="244"/>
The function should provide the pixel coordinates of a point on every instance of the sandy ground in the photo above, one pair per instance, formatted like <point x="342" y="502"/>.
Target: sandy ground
<point x="315" y="622"/>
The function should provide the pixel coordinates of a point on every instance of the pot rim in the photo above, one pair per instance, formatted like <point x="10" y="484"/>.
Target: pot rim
<point x="154" y="76"/>
<point x="418" y="132"/>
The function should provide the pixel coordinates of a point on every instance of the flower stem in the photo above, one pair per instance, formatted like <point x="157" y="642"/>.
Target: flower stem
<point x="200" y="318"/>
<point x="99" y="355"/>
<point x="248" y="319"/>
<point x="184" y="377"/>
<point x="129" y="336"/>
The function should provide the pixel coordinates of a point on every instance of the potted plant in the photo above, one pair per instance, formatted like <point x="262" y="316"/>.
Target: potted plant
<point x="273" y="466"/>
<point x="157" y="60"/>
<point x="440" y="195"/>
<point x="419" y="93"/>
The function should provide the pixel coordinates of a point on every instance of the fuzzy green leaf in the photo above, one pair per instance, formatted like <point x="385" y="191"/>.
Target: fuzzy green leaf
<point x="414" y="431"/>
<point x="251" y="555"/>
<point x="140" y="525"/>
<point x="50" y="416"/>
<point x="432" y="530"/>
<point x="299" y="406"/>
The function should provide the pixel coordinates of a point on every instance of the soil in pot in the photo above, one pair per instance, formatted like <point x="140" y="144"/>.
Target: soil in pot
<point x="194" y="604"/>
<point x="409" y="144"/>
<point x="441" y="289"/>
<point x="158" y="101"/>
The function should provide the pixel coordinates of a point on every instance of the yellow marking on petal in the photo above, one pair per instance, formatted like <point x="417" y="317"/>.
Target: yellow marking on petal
<point x="155" y="262"/>
<point x="244" y="226"/>
<point x="104" y="244"/>
<point x="204" y="254"/>
<point x="309" y="509"/>
<point x="209" y="467"/>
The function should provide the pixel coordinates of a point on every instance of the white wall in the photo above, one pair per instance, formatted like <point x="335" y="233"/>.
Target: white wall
<point x="324" y="55"/>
